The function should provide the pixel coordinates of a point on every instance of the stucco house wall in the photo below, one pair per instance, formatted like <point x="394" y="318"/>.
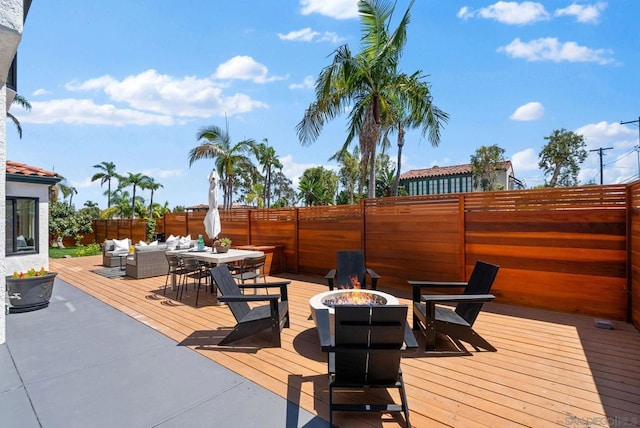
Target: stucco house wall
<point x="11" y="26"/>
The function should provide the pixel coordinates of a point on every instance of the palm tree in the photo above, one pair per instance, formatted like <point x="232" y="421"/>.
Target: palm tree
<point x="108" y="171"/>
<point x="228" y="156"/>
<point x="68" y="192"/>
<point x="405" y="113"/>
<point x="135" y="180"/>
<point x="367" y="83"/>
<point x="268" y="159"/>
<point x="153" y="186"/>
<point x="22" y="102"/>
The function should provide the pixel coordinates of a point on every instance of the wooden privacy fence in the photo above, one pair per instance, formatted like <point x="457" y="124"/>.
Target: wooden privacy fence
<point x="565" y="249"/>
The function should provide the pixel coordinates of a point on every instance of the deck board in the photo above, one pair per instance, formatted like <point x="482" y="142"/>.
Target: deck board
<point x="550" y="369"/>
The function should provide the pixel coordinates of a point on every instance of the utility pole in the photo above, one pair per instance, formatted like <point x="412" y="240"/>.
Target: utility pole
<point x="638" y="146"/>
<point x="600" y="150"/>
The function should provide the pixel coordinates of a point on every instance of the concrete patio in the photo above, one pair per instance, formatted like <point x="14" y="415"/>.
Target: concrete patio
<point x="82" y="363"/>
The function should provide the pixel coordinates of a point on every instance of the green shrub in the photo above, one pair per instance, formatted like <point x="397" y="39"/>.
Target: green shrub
<point x="88" y="250"/>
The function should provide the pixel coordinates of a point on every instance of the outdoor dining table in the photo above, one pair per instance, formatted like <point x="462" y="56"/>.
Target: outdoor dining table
<point x="213" y="258"/>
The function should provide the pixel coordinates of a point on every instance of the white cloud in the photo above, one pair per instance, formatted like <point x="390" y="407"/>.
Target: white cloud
<point x="550" y="49"/>
<point x="168" y="173"/>
<point x="622" y="139"/>
<point x="85" y="183"/>
<point x="525" y="161"/>
<point x="587" y="14"/>
<point x="41" y="91"/>
<point x="307" y="83"/>
<point x="508" y="12"/>
<point x="527" y="112"/>
<point x="160" y="93"/>
<point x="86" y="112"/>
<point x="101" y="82"/>
<point x="309" y="35"/>
<point x="304" y="35"/>
<point x="243" y="67"/>
<point x="338" y="9"/>
<point x="608" y="134"/>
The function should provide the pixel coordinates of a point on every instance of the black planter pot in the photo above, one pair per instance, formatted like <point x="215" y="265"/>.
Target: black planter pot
<point x="30" y="294"/>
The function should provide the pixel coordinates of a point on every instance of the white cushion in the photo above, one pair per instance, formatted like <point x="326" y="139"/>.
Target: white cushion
<point x="142" y="244"/>
<point x="121" y="244"/>
<point x="172" y="242"/>
<point x="154" y="243"/>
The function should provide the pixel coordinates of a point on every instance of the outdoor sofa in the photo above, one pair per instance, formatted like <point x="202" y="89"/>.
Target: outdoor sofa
<point x="147" y="261"/>
<point x="111" y="252"/>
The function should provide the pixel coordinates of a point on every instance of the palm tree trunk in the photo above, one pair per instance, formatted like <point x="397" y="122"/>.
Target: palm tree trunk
<point x="133" y="203"/>
<point x="400" y="146"/>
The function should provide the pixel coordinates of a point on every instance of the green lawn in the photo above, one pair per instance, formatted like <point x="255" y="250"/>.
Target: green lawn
<point x="87" y="250"/>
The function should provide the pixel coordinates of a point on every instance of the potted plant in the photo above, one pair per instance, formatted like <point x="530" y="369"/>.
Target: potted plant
<point x="30" y="290"/>
<point x="222" y="245"/>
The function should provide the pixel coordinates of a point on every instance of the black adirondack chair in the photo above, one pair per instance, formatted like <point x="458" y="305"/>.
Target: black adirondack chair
<point x="349" y="270"/>
<point x="457" y="324"/>
<point x="251" y="321"/>
<point x="366" y="354"/>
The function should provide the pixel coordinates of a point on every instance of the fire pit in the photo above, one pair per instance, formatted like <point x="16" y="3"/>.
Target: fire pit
<point x="331" y="299"/>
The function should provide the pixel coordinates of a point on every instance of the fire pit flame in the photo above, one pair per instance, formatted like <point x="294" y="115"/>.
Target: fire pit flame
<point x="354" y="298"/>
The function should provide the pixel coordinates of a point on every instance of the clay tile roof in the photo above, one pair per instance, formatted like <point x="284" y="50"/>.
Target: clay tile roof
<point x="23" y="169"/>
<point x="20" y="172"/>
<point x="436" y="171"/>
<point x="440" y="171"/>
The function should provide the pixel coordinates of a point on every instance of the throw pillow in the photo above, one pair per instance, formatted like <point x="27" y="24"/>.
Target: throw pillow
<point x="121" y="244"/>
<point x="142" y="244"/>
<point x="154" y="243"/>
<point x="172" y="242"/>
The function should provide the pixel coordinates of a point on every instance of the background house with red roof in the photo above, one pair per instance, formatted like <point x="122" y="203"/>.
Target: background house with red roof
<point x="453" y="179"/>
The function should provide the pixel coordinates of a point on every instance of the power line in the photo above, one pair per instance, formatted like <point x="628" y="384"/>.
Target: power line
<point x="601" y="150"/>
<point x="638" y="146"/>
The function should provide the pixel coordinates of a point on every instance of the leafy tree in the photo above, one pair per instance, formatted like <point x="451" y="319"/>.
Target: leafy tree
<point x="120" y="206"/>
<point x="268" y="159"/>
<point x="22" y="102"/>
<point x="318" y="186"/>
<point x="369" y="84"/>
<point x="486" y="164"/>
<point x="349" y="176"/>
<point x="107" y="172"/>
<point x="157" y="210"/>
<point x="228" y="156"/>
<point x="91" y="209"/>
<point x="283" y="191"/>
<point x="65" y="222"/>
<point x="245" y="179"/>
<point x="255" y="195"/>
<point x="386" y="176"/>
<point x="561" y="157"/>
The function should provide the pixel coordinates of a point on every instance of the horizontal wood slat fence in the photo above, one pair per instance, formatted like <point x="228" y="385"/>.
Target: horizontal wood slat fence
<point x="563" y="249"/>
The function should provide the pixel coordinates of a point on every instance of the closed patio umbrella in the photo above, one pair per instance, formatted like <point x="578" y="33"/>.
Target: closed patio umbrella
<point x="212" y="220"/>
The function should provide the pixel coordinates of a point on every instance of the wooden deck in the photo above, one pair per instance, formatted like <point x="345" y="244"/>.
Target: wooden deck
<point x="550" y="368"/>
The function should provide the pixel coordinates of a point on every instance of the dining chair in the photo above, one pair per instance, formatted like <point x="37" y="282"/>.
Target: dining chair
<point x="175" y="269"/>
<point x="252" y="268"/>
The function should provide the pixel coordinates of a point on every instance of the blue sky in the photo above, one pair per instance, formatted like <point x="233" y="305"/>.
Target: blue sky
<point x="132" y="82"/>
